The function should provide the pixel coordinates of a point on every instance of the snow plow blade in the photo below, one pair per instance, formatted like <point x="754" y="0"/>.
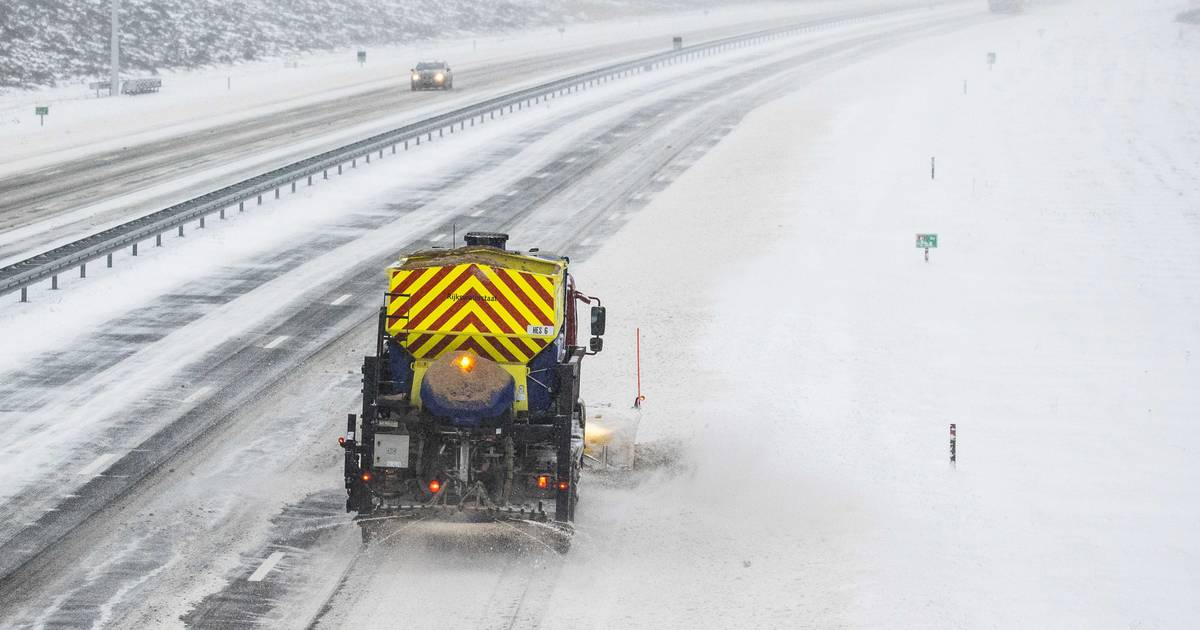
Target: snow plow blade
<point x="518" y="526"/>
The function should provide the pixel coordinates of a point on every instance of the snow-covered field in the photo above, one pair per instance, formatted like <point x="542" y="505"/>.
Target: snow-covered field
<point x="794" y="337"/>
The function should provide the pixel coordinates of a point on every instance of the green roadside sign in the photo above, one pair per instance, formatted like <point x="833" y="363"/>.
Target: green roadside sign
<point x="41" y="111"/>
<point x="925" y="241"/>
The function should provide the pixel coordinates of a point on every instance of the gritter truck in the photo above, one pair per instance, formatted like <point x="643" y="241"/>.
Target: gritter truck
<point x="471" y="407"/>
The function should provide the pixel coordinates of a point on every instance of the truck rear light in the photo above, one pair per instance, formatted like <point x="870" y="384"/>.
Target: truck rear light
<point x="366" y="476"/>
<point x="435" y="486"/>
<point x="563" y="484"/>
<point x="543" y="481"/>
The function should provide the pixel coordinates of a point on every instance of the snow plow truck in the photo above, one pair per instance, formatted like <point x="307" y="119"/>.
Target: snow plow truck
<point x="471" y="408"/>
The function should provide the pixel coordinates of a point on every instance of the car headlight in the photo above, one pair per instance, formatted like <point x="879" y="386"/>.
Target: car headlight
<point x="416" y="77"/>
<point x="439" y="77"/>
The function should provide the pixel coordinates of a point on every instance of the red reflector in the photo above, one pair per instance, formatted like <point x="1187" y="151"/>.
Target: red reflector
<point x="543" y="481"/>
<point x="435" y="486"/>
<point x="342" y="441"/>
<point x="563" y="485"/>
<point x="366" y="476"/>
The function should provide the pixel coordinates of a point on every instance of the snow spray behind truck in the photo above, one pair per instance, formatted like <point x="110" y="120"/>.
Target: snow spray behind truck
<point x="471" y="406"/>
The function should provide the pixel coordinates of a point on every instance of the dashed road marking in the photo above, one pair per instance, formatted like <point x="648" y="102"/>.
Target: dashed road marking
<point x="512" y="193"/>
<point x="585" y="242"/>
<point x="265" y="567"/>
<point x="439" y="238"/>
<point x="340" y="300"/>
<point x="615" y="216"/>
<point x="275" y="342"/>
<point x="479" y="212"/>
<point x="542" y="175"/>
<point x="93" y="469"/>
<point x="199" y="393"/>
<point x="570" y="159"/>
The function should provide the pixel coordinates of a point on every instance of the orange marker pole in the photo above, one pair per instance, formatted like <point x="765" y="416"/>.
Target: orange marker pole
<point x="637" y="402"/>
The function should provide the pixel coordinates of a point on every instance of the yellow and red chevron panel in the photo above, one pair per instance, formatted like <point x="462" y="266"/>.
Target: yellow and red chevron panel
<point x="498" y="312"/>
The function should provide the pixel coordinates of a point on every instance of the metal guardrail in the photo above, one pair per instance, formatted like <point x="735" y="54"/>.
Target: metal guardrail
<point x="49" y="265"/>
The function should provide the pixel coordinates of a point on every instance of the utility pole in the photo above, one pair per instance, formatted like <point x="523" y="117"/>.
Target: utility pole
<point x="114" y="86"/>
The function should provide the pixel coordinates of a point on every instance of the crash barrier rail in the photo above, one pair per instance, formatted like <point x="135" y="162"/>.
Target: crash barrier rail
<point x="49" y="265"/>
<point x="129" y="86"/>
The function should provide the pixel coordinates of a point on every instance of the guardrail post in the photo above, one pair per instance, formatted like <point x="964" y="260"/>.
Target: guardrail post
<point x="368" y="156"/>
<point x="406" y="145"/>
<point x="158" y="240"/>
<point x="293" y="190"/>
<point x="83" y="270"/>
<point x="202" y="218"/>
<point x="429" y="138"/>
<point x="493" y="115"/>
<point x="53" y="283"/>
<point x="135" y="249"/>
<point x="222" y="214"/>
<point x="110" y="260"/>
<point x="441" y="133"/>
<point x="339" y="169"/>
<point x="260" y="200"/>
<point x="24" y="294"/>
<point x="393" y="149"/>
<point x="326" y="173"/>
<point x="241" y="206"/>
<point x="353" y="162"/>
<point x="310" y="178"/>
<point x="276" y="196"/>
<point x="381" y="154"/>
<point x="418" y="140"/>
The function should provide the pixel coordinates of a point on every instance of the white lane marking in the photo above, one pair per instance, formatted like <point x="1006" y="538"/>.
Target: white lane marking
<point x="479" y="212"/>
<point x="542" y="175"/>
<point x="570" y="159"/>
<point x="615" y="216"/>
<point x="512" y="193"/>
<point x="338" y="302"/>
<point x="196" y="394"/>
<point x="265" y="567"/>
<point x="275" y="342"/>
<point x="585" y="242"/>
<point x="93" y="469"/>
<point x="439" y="238"/>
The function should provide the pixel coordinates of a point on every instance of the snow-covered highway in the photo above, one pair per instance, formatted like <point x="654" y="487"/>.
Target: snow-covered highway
<point x="168" y="427"/>
<point x="49" y="196"/>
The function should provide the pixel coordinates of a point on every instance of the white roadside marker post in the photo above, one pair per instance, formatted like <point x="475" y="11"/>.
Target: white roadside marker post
<point x="953" y="446"/>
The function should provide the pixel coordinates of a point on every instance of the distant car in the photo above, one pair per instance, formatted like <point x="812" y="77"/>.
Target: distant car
<point x="432" y="75"/>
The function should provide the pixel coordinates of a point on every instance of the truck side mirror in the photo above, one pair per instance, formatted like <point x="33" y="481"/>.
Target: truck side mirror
<point x="596" y="344"/>
<point x="597" y="320"/>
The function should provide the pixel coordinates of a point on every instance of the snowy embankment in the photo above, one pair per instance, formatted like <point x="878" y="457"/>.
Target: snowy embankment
<point x="812" y="362"/>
